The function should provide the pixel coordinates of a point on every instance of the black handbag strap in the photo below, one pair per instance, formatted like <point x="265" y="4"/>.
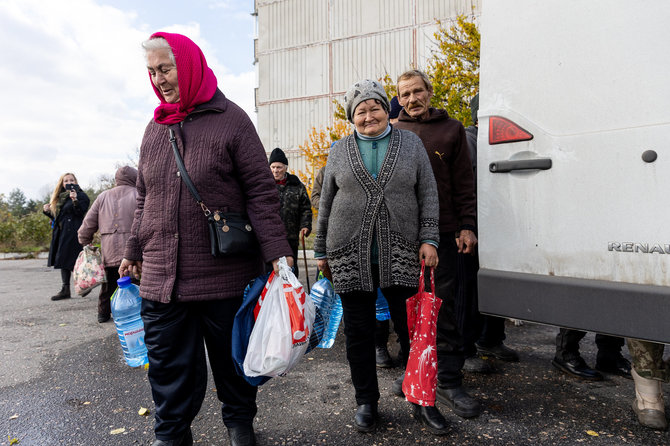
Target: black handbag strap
<point x="184" y="174"/>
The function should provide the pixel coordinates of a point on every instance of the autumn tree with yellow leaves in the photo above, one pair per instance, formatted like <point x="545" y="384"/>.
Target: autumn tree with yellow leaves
<point x="454" y="68"/>
<point x="315" y="149"/>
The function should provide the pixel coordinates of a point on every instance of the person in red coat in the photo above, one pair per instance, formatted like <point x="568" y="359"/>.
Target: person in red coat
<point x="189" y="297"/>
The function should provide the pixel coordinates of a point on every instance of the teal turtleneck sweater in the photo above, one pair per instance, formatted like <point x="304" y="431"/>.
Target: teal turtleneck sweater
<point x="373" y="151"/>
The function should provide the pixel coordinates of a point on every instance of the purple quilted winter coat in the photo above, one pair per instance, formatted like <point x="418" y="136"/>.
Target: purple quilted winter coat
<point x="227" y="163"/>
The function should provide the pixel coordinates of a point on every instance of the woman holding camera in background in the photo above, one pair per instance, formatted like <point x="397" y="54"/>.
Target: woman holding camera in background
<point x="66" y="210"/>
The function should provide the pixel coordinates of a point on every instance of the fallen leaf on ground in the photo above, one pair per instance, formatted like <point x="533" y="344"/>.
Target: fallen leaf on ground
<point x="143" y="411"/>
<point x="14" y="417"/>
<point x="593" y="433"/>
<point x="117" y="431"/>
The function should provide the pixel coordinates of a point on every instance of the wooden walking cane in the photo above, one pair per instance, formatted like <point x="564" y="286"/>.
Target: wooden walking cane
<point x="304" y="257"/>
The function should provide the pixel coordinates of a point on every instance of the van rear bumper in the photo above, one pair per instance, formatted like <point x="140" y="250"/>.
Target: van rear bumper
<point x="616" y="308"/>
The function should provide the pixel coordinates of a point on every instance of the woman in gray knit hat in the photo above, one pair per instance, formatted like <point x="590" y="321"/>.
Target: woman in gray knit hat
<point x="378" y="218"/>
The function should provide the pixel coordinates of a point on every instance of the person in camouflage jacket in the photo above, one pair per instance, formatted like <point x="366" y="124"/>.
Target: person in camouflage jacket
<point x="296" y="208"/>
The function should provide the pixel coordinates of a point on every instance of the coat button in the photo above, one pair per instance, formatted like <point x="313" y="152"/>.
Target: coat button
<point x="176" y="235"/>
<point x="178" y="173"/>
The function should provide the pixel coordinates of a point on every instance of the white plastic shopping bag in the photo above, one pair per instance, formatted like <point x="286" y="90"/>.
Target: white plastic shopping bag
<point x="285" y="315"/>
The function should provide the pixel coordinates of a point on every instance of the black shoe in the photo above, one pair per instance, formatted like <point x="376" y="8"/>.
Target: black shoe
<point x="459" y="401"/>
<point x="499" y="351"/>
<point x="577" y="367"/>
<point x="102" y="318"/>
<point x="185" y="440"/>
<point x="383" y="358"/>
<point x="396" y="387"/>
<point x="619" y="366"/>
<point x="431" y="418"/>
<point x="365" y="419"/>
<point x="475" y="364"/>
<point x="64" y="293"/>
<point x="242" y="436"/>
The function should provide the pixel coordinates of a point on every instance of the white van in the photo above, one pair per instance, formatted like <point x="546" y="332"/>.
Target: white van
<point x="574" y="164"/>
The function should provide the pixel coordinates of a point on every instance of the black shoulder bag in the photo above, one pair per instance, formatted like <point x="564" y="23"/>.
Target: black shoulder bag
<point x="230" y="233"/>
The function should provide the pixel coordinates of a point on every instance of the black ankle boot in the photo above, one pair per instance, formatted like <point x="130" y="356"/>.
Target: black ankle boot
<point x="242" y="436"/>
<point x="185" y="440"/>
<point x="365" y="419"/>
<point x="383" y="358"/>
<point x="64" y="293"/>
<point x="431" y="418"/>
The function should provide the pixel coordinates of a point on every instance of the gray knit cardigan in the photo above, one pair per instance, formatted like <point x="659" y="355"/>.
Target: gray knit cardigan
<point x="401" y="205"/>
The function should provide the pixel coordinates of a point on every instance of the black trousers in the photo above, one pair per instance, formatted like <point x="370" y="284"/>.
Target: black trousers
<point x="567" y="345"/>
<point x="450" y="354"/>
<point x="107" y="289"/>
<point x="493" y="331"/>
<point x="174" y="335"/>
<point x="489" y="331"/>
<point x="358" y="311"/>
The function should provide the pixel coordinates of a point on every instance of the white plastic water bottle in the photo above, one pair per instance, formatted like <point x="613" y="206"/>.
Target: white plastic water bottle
<point x="126" y="305"/>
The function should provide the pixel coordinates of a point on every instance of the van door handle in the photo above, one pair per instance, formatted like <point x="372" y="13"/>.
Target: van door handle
<point x="509" y="166"/>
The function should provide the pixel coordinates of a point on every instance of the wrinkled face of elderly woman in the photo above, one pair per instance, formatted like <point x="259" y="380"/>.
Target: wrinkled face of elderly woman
<point x="163" y="74"/>
<point x="370" y="118"/>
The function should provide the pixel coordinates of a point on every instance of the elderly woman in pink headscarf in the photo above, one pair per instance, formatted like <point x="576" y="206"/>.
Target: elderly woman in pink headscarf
<point x="188" y="295"/>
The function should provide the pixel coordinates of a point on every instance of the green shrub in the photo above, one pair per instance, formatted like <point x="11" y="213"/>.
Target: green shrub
<point x="35" y="229"/>
<point x="31" y="232"/>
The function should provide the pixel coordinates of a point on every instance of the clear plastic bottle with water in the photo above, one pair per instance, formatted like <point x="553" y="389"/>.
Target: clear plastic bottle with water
<point x="329" y="306"/>
<point x="126" y="305"/>
<point x="382" y="307"/>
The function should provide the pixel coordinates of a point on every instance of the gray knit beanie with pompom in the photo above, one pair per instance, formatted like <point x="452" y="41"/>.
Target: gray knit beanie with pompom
<point x="362" y="91"/>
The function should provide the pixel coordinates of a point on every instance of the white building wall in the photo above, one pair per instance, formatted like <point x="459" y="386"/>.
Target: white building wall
<point x="360" y="17"/>
<point x="309" y="52"/>
<point x="293" y="73"/>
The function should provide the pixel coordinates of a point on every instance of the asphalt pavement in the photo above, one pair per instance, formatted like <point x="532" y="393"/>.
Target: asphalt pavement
<point x="63" y="381"/>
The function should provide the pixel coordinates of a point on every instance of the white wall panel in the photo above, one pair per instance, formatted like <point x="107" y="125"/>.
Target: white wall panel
<point x="357" y="17"/>
<point x="425" y="43"/>
<point x="293" y="73"/>
<point x="370" y="57"/>
<point x="287" y="124"/>
<point x="429" y="10"/>
<point x="288" y="23"/>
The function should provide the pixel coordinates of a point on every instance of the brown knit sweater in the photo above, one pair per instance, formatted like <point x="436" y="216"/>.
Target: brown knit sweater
<point x="447" y="147"/>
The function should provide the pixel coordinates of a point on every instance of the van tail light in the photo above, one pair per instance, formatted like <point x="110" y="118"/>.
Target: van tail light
<point x="502" y="130"/>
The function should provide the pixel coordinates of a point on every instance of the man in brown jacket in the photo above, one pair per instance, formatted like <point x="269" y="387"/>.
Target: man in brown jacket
<point x="446" y="144"/>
